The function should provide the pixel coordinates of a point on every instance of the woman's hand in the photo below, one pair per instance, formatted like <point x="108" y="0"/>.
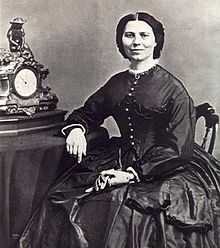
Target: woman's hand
<point x="76" y="143"/>
<point x="111" y="177"/>
<point x="117" y="176"/>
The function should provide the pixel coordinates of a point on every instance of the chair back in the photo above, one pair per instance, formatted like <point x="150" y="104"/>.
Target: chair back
<point x="206" y="111"/>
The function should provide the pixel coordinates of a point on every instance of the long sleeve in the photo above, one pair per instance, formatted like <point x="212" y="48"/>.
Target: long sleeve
<point x="175" y="146"/>
<point x="96" y="108"/>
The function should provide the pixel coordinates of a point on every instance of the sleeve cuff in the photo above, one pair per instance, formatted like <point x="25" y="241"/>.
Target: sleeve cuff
<point x="136" y="177"/>
<point x="72" y="126"/>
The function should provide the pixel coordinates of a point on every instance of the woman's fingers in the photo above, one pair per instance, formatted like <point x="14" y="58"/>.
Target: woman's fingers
<point x="84" y="147"/>
<point x="97" y="184"/>
<point x="74" y="149"/>
<point x="104" y="182"/>
<point x="101" y="182"/>
<point x="68" y="147"/>
<point x="79" y="153"/>
<point x="81" y="149"/>
<point x="76" y="144"/>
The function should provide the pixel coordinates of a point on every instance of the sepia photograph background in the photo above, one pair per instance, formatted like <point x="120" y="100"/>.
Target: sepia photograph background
<point x="75" y="39"/>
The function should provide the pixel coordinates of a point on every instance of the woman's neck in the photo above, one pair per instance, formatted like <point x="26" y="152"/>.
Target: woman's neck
<point x="142" y="66"/>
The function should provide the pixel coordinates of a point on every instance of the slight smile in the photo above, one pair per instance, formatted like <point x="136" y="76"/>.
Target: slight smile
<point x="137" y="50"/>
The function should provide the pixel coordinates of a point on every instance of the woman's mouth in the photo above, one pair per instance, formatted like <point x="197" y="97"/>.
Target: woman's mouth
<point x="136" y="50"/>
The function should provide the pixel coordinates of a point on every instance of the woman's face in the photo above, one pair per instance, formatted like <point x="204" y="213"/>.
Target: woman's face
<point x="138" y="40"/>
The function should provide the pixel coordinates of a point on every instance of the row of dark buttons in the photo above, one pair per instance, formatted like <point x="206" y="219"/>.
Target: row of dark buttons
<point x="131" y="129"/>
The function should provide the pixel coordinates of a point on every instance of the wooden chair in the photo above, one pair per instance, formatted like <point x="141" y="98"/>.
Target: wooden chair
<point x="206" y="111"/>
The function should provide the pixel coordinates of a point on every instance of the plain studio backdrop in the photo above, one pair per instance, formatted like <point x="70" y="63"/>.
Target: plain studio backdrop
<point x="75" y="39"/>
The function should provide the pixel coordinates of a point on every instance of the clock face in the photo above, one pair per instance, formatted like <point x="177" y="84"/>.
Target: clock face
<point x="25" y="82"/>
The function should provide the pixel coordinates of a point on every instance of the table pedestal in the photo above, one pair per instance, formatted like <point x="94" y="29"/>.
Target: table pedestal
<point x="30" y="156"/>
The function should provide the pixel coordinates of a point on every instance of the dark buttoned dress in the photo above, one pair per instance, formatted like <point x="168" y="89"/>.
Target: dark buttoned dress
<point x="171" y="206"/>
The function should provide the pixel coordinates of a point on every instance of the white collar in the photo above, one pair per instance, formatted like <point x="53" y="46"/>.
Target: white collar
<point x="148" y="66"/>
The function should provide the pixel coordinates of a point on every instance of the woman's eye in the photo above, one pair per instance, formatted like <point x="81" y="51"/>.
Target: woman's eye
<point x="144" y="35"/>
<point x="129" y="35"/>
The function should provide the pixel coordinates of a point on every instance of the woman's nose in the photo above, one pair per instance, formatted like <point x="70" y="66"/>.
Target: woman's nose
<point x="137" y="40"/>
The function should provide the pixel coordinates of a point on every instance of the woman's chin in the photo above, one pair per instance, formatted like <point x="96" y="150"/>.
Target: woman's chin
<point x="138" y="59"/>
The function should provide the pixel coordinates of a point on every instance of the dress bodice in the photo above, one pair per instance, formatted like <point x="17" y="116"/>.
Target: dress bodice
<point x="143" y="114"/>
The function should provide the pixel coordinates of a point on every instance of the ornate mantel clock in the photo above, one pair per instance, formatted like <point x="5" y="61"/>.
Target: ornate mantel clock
<point x="21" y="77"/>
<point x="27" y="105"/>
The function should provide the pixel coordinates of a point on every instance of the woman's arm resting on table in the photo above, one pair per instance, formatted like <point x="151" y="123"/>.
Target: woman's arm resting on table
<point x="86" y="119"/>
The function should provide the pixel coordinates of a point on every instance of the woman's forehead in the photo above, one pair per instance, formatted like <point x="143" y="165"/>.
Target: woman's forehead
<point x="138" y="26"/>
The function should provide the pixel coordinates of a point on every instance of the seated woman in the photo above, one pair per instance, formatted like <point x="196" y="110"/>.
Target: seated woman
<point x="152" y="187"/>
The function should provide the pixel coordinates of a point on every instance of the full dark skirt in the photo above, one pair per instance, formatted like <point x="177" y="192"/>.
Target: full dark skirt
<point x="178" y="211"/>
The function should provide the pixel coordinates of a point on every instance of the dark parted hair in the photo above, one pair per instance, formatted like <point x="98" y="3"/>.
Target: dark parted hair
<point x="156" y="26"/>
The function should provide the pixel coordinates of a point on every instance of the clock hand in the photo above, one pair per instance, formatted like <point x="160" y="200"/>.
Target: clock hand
<point x="23" y="79"/>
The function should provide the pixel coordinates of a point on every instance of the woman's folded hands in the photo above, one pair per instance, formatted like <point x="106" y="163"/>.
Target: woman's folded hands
<point x="111" y="177"/>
